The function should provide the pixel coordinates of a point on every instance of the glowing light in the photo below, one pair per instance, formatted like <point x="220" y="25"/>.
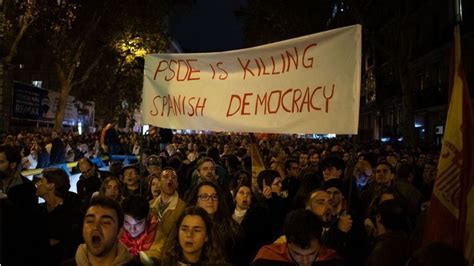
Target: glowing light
<point x="131" y="48"/>
<point x="145" y="129"/>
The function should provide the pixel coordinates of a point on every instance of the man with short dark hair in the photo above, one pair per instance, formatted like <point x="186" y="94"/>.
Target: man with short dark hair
<point x="12" y="184"/>
<point x="292" y="182"/>
<point x="392" y="243"/>
<point x="384" y="177"/>
<point x="102" y="223"/>
<point x="21" y="243"/>
<point x="303" y="160"/>
<point x="332" y="167"/>
<point x="314" y="158"/>
<point x="409" y="195"/>
<point x="384" y="174"/>
<point x="302" y="247"/>
<point x="139" y="228"/>
<point x="131" y="180"/>
<point x="313" y="163"/>
<point x="272" y="198"/>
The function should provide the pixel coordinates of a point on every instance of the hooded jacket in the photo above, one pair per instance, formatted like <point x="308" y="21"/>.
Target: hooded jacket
<point x="123" y="257"/>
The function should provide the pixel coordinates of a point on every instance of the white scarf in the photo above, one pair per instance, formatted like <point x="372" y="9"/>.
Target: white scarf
<point x="239" y="215"/>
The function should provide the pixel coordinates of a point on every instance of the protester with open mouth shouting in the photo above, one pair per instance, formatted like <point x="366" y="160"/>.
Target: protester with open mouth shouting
<point x="102" y="224"/>
<point x="166" y="209"/>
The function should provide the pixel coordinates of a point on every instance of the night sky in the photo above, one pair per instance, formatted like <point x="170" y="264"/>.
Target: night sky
<point x="208" y="26"/>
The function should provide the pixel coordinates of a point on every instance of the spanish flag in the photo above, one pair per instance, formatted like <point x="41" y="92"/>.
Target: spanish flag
<point x="451" y="212"/>
<point x="258" y="164"/>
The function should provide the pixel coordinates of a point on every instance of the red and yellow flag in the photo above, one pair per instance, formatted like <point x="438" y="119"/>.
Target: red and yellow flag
<point x="258" y="164"/>
<point x="451" y="212"/>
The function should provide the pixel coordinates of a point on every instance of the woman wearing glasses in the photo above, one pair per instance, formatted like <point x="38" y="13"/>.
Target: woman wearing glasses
<point x="227" y="232"/>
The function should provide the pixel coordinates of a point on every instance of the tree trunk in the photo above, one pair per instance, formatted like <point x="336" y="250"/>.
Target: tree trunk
<point x="6" y="81"/>
<point x="6" y="89"/>
<point x="65" y="89"/>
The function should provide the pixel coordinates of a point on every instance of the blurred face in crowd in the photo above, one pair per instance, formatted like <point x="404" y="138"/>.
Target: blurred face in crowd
<point x="383" y="175"/>
<point x="276" y="185"/>
<point x="243" y="179"/>
<point x="112" y="189"/>
<point x="392" y="160"/>
<point x="86" y="169"/>
<point x="6" y="168"/>
<point x="226" y="149"/>
<point x="421" y="160"/>
<point x="168" y="182"/>
<point x="243" y="198"/>
<point x="409" y="158"/>
<point x="314" y="159"/>
<point x="208" y="199"/>
<point x="130" y="177"/>
<point x="336" y="196"/>
<point x="207" y="171"/>
<point x="304" y="256"/>
<point x="335" y="148"/>
<point x="331" y="172"/>
<point x="429" y="173"/>
<point x="100" y="230"/>
<point x="192" y="235"/>
<point x="324" y="154"/>
<point x="303" y="160"/>
<point x="293" y="170"/>
<point x="154" y="169"/>
<point x="320" y="204"/>
<point x="346" y="157"/>
<point x="362" y="172"/>
<point x="135" y="227"/>
<point x="171" y="149"/>
<point x="43" y="187"/>
<point x="278" y="167"/>
<point x="155" y="187"/>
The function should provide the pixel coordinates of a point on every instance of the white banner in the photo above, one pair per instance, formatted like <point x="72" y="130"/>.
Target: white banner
<point x="309" y="84"/>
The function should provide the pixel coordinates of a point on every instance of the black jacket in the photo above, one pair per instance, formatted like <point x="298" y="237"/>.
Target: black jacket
<point x="58" y="152"/>
<point x="391" y="249"/>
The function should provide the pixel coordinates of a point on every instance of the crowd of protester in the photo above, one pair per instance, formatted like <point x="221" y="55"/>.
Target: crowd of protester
<point x="194" y="200"/>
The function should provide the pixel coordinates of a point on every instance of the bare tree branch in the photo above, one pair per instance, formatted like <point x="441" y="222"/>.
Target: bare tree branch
<point x="25" y="21"/>
<point x="87" y="73"/>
